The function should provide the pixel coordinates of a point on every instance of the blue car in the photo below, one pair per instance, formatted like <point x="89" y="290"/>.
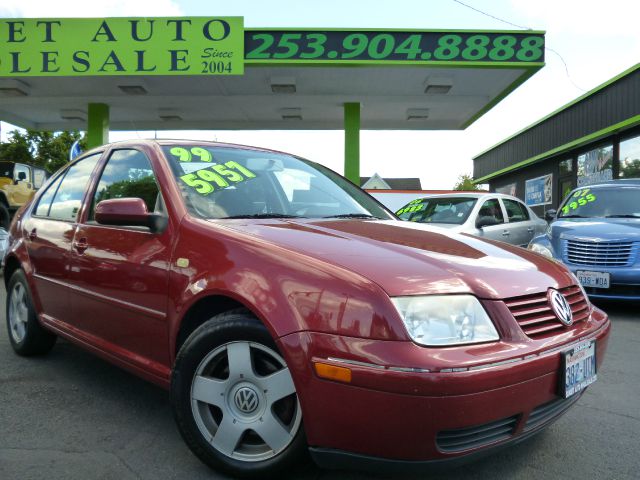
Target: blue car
<point x="596" y="233"/>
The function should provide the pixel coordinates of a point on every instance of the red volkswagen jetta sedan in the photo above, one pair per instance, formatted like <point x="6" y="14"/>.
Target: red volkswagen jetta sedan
<point x="286" y="309"/>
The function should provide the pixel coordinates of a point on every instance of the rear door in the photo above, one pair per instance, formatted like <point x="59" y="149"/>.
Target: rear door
<point x="120" y="273"/>
<point x="521" y="227"/>
<point x="49" y="232"/>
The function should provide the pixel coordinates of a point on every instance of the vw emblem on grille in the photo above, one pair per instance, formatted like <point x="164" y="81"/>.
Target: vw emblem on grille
<point x="560" y="307"/>
<point x="246" y="399"/>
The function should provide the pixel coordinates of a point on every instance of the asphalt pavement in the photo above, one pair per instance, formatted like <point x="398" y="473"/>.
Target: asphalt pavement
<point x="70" y="415"/>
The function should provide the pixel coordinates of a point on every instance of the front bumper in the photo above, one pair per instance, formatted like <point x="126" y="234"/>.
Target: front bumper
<point x="401" y="416"/>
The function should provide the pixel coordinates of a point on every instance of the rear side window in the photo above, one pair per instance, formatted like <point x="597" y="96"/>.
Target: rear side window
<point x="63" y="198"/>
<point x="42" y="210"/>
<point x="491" y="208"/>
<point x="516" y="211"/>
<point x="128" y="174"/>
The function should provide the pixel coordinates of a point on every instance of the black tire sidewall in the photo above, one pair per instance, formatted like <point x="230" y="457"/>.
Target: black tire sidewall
<point x="223" y="329"/>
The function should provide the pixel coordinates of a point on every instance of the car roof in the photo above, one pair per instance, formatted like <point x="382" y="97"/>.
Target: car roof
<point x="477" y="195"/>
<point x="168" y="142"/>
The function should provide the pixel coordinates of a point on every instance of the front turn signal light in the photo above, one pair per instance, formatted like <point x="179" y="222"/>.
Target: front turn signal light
<point x="332" y="372"/>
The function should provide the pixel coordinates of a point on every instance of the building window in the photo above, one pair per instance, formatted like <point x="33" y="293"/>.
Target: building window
<point x="630" y="158"/>
<point x="566" y="166"/>
<point x="595" y="166"/>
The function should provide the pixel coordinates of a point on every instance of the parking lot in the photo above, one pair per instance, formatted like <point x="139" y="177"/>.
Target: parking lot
<point x="70" y="415"/>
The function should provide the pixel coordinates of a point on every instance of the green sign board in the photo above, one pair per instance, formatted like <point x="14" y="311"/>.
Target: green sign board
<point x="384" y="46"/>
<point x="121" y="46"/>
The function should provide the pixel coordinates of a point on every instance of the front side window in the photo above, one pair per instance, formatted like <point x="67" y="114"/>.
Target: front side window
<point x="224" y="182"/>
<point x="453" y="211"/>
<point x="516" y="212"/>
<point x="67" y="198"/>
<point x="127" y="174"/>
<point x="616" y="201"/>
<point x="491" y="208"/>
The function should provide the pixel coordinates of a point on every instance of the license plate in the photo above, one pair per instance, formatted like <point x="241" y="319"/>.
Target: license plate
<point x="579" y="368"/>
<point x="593" y="279"/>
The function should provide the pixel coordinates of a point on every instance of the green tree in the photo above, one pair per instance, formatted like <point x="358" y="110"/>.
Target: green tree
<point x="43" y="149"/>
<point x="630" y="168"/>
<point x="465" y="182"/>
<point x="17" y="149"/>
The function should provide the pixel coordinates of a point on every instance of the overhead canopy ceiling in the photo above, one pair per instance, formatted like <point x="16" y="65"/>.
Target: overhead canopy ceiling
<point x="389" y="98"/>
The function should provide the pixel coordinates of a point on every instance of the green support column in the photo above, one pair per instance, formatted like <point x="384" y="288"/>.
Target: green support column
<point x="352" y="142"/>
<point x="97" y="125"/>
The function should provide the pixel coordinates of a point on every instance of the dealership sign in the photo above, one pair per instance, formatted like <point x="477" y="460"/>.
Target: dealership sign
<point x="221" y="46"/>
<point x="538" y="190"/>
<point x="121" y="46"/>
<point x="383" y="46"/>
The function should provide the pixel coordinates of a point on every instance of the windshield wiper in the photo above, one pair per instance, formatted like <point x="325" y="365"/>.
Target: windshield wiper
<point x="575" y="215"/>
<point x="352" y="215"/>
<point x="623" y="215"/>
<point x="264" y="215"/>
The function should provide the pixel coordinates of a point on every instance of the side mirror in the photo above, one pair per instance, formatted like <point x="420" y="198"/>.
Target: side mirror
<point x="486" y="221"/>
<point x="550" y="215"/>
<point x="130" y="212"/>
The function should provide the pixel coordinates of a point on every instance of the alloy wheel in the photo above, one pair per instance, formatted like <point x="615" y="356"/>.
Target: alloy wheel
<point x="244" y="401"/>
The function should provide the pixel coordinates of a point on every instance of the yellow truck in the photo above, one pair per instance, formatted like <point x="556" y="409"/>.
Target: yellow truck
<point x="18" y="183"/>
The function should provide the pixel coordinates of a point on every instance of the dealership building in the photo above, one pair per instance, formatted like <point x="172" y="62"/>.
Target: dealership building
<point x="594" y="138"/>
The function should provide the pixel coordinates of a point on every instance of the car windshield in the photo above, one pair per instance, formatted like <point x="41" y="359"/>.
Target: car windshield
<point x="438" y="210"/>
<point x="231" y="182"/>
<point x="610" y="202"/>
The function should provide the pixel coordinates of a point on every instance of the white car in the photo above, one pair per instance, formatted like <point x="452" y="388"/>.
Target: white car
<point x="489" y="215"/>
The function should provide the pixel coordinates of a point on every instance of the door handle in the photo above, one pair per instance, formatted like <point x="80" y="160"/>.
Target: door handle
<point x="33" y="234"/>
<point x="80" y="245"/>
<point x="505" y="233"/>
<point x="530" y="229"/>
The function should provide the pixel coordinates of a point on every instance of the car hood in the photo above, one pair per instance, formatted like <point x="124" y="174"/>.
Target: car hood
<point x="610" y="229"/>
<point x="407" y="259"/>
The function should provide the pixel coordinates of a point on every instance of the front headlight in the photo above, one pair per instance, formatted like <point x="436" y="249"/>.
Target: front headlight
<point x="542" y="250"/>
<point x="436" y="320"/>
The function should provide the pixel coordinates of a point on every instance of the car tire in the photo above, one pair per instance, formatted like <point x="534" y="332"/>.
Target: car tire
<point x="234" y="400"/>
<point x="26" y="335"/>
<point x="5" y="217"/>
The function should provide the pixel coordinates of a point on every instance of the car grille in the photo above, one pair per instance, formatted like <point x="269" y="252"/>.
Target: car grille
<point x="478" y="436"/>
<point x="599" y="254"/>
<point x="534" y="315"/>
<point x="545" y="413"/>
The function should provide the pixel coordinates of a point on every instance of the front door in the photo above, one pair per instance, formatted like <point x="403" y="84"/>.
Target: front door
<point x="119" y="274"/>
<point x="499" y="230"/>
<point x="50" y="230"/>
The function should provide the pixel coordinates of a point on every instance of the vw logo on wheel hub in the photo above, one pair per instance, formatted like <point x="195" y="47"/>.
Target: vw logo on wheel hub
<point x="560" y="307"/>
<point x="246" y="400"/>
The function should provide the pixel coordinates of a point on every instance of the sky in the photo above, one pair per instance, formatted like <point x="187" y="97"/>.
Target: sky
<point x="596" y="40"/>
